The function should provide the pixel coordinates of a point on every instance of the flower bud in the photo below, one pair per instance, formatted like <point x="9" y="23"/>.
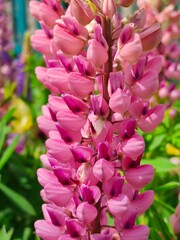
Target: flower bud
<point x="108" y="8"/>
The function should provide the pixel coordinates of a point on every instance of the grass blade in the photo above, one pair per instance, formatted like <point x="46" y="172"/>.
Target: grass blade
<point x="8" y="152"/>
<point x="18" y="199"/>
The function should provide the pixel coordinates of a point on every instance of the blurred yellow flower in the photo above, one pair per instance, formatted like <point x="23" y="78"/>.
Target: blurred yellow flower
<point x="171" y="150"/>
<point x="22" y="117"/>
<point x="91" y="5"/>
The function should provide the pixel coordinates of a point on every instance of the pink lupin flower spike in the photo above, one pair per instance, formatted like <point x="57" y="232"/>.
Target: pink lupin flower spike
<point x="99" y="72"/>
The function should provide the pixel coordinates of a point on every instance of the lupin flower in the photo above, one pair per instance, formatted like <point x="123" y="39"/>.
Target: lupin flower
<point x="101" y="81"/>
<point x="175" y="219"/>
<point x="168" y="49"/>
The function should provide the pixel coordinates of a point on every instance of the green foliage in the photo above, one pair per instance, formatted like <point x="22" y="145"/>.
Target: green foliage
<point x="8" y="152"/>
<point x="19" y="190"/>
<point x="4" y="234"/>
<point x="18" y="199"/>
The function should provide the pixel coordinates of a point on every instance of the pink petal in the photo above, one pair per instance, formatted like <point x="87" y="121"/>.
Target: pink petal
<point x="86" y="212"/>
<point x="152" y="119"/>
<point x="133" y="147"/>
<point x="119" y="101"/>
<point x="140" y="176"/>
<point x="132" y="50"/>
<point x="47" y="231"/>
<point x="147" y="85"/>
<point x="96" y="53"/>
<point x="103" y="170"/>
<point x="118" y="206"/>
<point x="140" y="232"/>
<point x="58" y="194"/>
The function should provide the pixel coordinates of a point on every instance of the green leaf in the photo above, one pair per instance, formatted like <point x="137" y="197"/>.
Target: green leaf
<point x="154" y="235"/>
<point x="160" y="164"/>
<point x="158" y="223"/>
<point x="26" y="233"/>
<point x="3" y="132"/>
<point x="7" y="117"/>
<point x="5" y="235"/>
<point x="163" y="204"/>
<point x="8" y="152"/>
<point x="3" y="128"/>
<point x="168" y="186"/>
<point x="157" y="141"/>
<point x="18" y="199"/>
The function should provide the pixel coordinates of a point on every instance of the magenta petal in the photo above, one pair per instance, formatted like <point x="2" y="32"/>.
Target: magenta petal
<point x="81" y="153"/>
<point x="143" y="201"/>
<point x="70" y="121"/>
<point x="152" y="119"/>
<point x="116" y="80"/>
<point x="75" y="104"/>
<point x="133" y="147"/>
<point x="47" y="14"/>
<point x="45" y="176"/>
<point x="66" y="237"/>
<point x="96" y="53"/>
<point x="47" y="231"/>
<point x="76" y="80"/>
<point x="140" y="176"/>
<point x="140" y="232"/>
<point x="132" y="50"/>
<point x="75" y="228"/>
<point x="67" y="42"/>
<point x="58" y="150"/>
<point x="84" y="66"/>
<point x="58" y="194"/>
<point x="63" y="175"/>
<point x="57" y="104"/>
<point x="34" y="9"/>
<point x="68" y="137"/>
<point x="103" y="170"/>
<point x="58" y="77"/>
<point x="155" y="63"/>
<point x="90" y="194"/>
<point x="86" y="212"/>
<point x="41" y="42"/>
<point x="119" y="101"/>
<point x="54" y="214"/>
<point x="46" y="125"/>
<point x="147" y="85"/>
<point x="99" y="106"/>
<point x="118" y="205"/>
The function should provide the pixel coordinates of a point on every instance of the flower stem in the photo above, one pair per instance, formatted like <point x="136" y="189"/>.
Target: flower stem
<point x="107" y="32"/>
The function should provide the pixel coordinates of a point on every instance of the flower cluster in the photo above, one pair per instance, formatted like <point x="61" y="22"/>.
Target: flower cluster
<point x="101" y="77"/>
<point x="169" y="48"/>
<point x="5" y="44"/>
